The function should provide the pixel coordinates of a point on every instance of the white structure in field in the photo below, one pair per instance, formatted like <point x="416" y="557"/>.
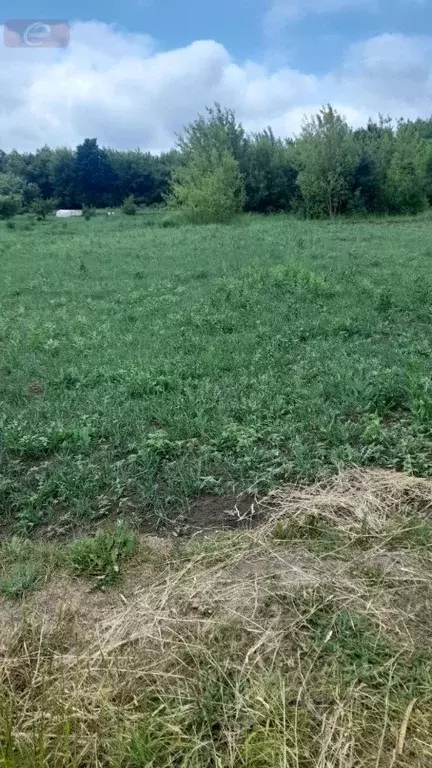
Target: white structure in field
<point x="65" y="214"/>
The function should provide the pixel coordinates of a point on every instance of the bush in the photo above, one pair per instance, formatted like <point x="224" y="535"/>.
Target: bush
<point x="209" y="188"/>
<point x="10" y="205"/>
<point x="88" y="212"/>
<point x="41" y="208"/>
<point x="129" y="206"/>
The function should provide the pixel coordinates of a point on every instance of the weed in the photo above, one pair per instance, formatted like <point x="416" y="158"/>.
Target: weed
<point x="21" y="578"/>
<point x="101" y="557"/>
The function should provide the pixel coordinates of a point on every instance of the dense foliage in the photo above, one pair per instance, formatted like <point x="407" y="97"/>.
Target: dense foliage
<point x="328" y="169"/>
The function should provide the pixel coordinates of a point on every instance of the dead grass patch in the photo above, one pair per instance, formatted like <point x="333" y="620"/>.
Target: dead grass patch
<point x="241" y="649"/>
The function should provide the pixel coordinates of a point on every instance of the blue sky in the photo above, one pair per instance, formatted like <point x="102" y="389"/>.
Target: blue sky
<point x="136" y="70"/>
<point x="312" y="41"/>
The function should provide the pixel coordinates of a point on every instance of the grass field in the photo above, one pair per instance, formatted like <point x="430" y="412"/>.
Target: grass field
<point x="143" y="366"/>
<point x="151" y="372"/>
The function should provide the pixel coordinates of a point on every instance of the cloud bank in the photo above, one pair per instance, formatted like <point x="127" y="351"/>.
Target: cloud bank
<point x="120" y="88"/>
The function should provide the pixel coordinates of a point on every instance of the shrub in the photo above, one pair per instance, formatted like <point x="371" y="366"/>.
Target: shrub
<point x="209" y="188"/>
<point x="41" y="208"/>
<point x="88" y="212"/>
<point x="10" y="205"/>
<point x="129" y="206"/>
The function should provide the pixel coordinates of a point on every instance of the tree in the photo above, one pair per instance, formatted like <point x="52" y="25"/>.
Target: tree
<point x="38" y="171"/>
<point x="375" y="145"/>
<point x="141" y="174"/>
<point x="218" y="131"/>
<point x="31" y="193"/>
<point x="63" y="176"/>
<point x="10" y="205"/>
<point x="209" y="188"/>
<point x="327" y="157"/>
<point x="94" y="176"/>
<point x="129" y="206"/>
<point x="41" y="208"/>
<point x="270" y="175"/>
<point x="407" y="182"/>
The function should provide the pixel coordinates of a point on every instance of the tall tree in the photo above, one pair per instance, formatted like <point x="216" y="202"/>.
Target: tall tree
<point x="218" y="131"/>
<point x="38" y="171"/>
<point x="327" y="159"/>
<point x="63" y="175"/>
<point x="407" y="182"/>
<point x="375" y="145"/>
<point x="269" y="173"/>
<point x="95" y="178"/>
<point x="141" y="174"/>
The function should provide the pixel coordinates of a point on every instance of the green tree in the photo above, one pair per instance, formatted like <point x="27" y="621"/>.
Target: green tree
<point x="375" y="145"/>
<point x="218" y="131"/>
<point x="129" y="206"/>
<point x="95" y="178"/>
<point x="407" y="175"/>
<point x="270" y="175"/>
<point x="11" y="184"/>
<point x="31" y="193"/>
<point x="327" y="158"/>
<point x="41" y="208"/>
<point x="209" y="188"/>
<point x="38" y="171"/>
<point x="141" y="174"/>
<point x="63" y="174"/>
<point x="10" y="205"/>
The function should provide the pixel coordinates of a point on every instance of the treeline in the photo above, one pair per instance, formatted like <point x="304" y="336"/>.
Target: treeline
<point x="217" y="169"/>
<point x="87" y="176"/>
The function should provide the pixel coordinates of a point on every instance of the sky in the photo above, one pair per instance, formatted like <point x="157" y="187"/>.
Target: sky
<point x="136" y="71"/>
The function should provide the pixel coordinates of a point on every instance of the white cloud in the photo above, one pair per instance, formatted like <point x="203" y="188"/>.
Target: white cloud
<point x="120" y="89"/>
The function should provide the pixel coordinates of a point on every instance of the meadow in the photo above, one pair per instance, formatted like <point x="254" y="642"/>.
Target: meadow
<point x="144" y="365"/>
<point x="148" y="370"/>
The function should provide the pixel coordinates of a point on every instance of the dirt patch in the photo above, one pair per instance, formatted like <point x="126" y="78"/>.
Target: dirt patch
<point x="60" y="598"/>
<point x="210" y="514"/>
<point x="35" y="388"/>
<point x="222" y="558"/>
<point x="205" y="515"/>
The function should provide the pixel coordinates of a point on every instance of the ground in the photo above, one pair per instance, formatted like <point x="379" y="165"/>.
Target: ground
<point x="304" y="641"/>
<point x="143" y="366"/>
<point x="215" y="493"/>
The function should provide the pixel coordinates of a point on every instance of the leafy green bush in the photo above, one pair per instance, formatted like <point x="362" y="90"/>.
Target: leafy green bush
<point x="10" y="205"/>
<point x="41" y="208"/>
<point x="88" y="212"/>
<point x="129" y="207"/>
<point x="209" y="188"/>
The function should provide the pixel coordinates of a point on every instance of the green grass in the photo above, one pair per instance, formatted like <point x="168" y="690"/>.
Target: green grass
<point x="27" y="564"/>
<point x="102" y="556"/>
<point x="142" y="366"/>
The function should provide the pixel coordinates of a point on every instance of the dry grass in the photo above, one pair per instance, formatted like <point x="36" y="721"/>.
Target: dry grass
<point x="302" y="643"/>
